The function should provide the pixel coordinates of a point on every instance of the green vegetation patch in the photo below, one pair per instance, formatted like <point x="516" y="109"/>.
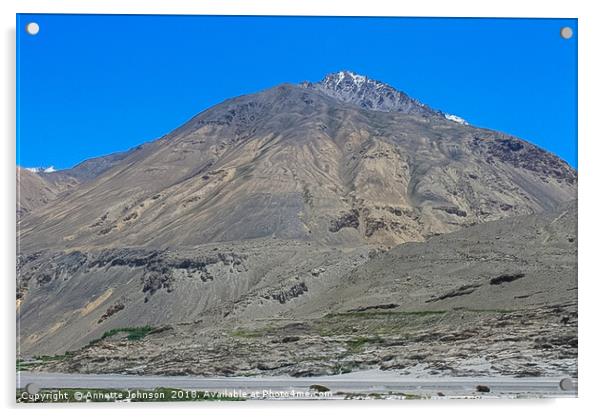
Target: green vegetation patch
<point x="406" y="396"/>
<point x="134" y="333"/>
<point x="486" y="310"/>
<point x="376" y="314"/>
<point x="25" y="364"/>
<point x="52" y="358"/>
<point x="376" y="323"/>
<point x="356" y="345"/>
<point x="270" y="329"/>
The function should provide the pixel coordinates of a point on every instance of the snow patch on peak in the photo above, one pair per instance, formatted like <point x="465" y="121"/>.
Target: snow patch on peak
<point x="358" y="79"/>
<point x="337" y="77"/>
<point x="455" y="118"/>
<point x="370" y="94"/>
<point x="46" y="170"/>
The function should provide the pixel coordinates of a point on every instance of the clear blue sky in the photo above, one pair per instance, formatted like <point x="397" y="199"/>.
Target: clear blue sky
<point x="89" y="85"/>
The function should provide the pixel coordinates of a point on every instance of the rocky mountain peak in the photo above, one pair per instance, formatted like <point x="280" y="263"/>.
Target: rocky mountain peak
<point x="370" y="94"/>
<point x="346" y="80"/>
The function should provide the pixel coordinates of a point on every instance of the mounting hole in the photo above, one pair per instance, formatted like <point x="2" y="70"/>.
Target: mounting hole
<point x="567" y="384"/>
<point x="32" y="28"/>
<point x="32" y="388"/>
<point x="566" y="32"/>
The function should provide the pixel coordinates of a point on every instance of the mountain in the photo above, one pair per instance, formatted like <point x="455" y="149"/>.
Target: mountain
<point x="32" y="191"/>
<point x="295" y="163"/>
<point x="88" y="169"/>
<point x="258" y="205"/>
<point x="38" y="186"/>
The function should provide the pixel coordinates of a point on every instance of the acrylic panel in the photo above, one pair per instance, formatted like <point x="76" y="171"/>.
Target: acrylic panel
<point x="250" y="207"/>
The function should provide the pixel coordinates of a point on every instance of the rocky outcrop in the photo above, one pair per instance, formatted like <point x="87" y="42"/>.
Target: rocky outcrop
<point x="506" y="278"/>
<point x="287" y="294"/>
<point x="115" y="308"/>
<point x="458" y="292"/>
<point x="370" y="94"/>
<point x="350" y="219"/>
<point x="157" y="267"/>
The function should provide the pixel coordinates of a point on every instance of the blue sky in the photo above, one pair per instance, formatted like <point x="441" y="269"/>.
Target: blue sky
<point x="89" y="85"/>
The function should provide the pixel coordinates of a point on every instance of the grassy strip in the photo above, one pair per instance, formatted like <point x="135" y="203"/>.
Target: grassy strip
<point x="134" y="333"/>
<point x="386" y="313"/>
<point x="491" y="310"/>
<point x="356" y="345"/>
<point x="50" y="358"/>
<point x="25" y="365"/>
<point x="78" y="395"/>
<point x="422" y="313"/>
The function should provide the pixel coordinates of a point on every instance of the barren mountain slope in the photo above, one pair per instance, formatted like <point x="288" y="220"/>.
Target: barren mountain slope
<point x="513" y="263"/>
<point x="89" y="169"/>
<point x="294" y="163"/>
<point x="260" y="206"/>
<point x="32" y="191"/>
<point x="67" y="299"/>
<point x="492" y="299"/>
<point x="36" y="189"/>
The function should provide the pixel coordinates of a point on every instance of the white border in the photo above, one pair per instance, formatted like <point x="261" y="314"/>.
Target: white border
<point x="590" y="94"/>
<point x="457" y="8"/>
